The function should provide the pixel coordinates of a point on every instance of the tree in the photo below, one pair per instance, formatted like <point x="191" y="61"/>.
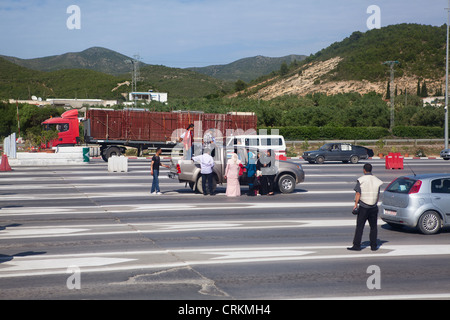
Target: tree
<point x="284" y="70"/>
<point x="424" y="92"/>
<point x="240" y="86"/>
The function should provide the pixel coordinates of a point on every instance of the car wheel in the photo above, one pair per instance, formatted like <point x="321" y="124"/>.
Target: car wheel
<point x="430" y="223"/>
<point x="199" y="188"/>
<point x="446" y="159"/>
<point x="286" y="184"/>
<point x="354" y="159"/>
<point x="320" y="160"/>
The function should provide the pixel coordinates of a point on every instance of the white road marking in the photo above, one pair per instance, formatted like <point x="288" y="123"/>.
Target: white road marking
<point x="163" y="259"/>
<point x="20" y="264"/>
<point x="217" y="206"/>
<point x="172" y="227"/>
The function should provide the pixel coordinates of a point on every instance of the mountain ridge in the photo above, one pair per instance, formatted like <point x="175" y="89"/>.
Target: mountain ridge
<point x="94" y="58"/>
<point x="356" y="64"/>
<point x="247" y="69"/>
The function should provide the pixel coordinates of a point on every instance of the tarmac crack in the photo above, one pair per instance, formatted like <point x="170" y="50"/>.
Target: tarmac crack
<point x="178" y="276"/>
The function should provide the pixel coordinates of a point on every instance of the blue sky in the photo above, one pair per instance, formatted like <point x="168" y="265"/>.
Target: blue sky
<point x="189" y="33"/>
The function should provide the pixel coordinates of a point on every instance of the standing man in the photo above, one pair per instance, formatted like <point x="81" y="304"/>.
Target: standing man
<point x="206" y="165"/>
<point x="367" y="195"/>
<point x="156" y="163"/>
<point x="188" y="142"/>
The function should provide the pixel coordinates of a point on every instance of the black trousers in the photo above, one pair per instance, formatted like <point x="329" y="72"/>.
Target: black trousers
<point x="371" y="215"/>
<point x="208" y="177"/>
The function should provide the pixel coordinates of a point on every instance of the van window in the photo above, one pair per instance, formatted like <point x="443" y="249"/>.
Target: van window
<point x="253" y="142"/>
<point x="267" y="142"/>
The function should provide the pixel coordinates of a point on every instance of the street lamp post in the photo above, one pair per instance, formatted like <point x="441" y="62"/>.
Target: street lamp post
<point x="446" y="80"/>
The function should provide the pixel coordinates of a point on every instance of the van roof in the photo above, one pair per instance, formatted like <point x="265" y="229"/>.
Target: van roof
<point x="257" y="136"/>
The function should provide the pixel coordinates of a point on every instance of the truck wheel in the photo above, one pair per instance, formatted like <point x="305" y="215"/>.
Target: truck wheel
<point x="286" y="183"/>
<point x="112" y="151"/>
<point x="199" y="188"/>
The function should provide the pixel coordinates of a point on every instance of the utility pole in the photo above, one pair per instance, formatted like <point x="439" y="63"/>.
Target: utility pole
<point x="134" y="74"/>
<point x="446" y="80"/>
<point x="391" y="65"/>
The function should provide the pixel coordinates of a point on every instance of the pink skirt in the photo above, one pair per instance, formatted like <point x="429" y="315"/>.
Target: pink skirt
<point x="233" y="187"/>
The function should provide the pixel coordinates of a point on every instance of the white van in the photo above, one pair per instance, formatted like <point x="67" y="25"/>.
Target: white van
<point x="261" y="142"/>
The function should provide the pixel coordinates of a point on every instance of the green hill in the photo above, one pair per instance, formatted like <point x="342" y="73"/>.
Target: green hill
<point x="420" y="49"/>
<point x="247" y="69"/>
<point x="356" y="64"/>
<point x="96" y="58"/>
<point x="17" y="82"/>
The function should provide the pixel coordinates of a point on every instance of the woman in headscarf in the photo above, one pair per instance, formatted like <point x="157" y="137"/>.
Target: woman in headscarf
<point x="232" y="176"/>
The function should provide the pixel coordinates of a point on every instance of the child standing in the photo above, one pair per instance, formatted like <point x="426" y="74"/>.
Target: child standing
<point x="156" y="163"/>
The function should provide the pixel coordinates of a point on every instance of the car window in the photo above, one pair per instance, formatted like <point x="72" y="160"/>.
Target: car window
<point x="346" y="147"/>
<point x="440" y="186"/>
<point x="326" y="147"/>
<point x="401" y="185"/>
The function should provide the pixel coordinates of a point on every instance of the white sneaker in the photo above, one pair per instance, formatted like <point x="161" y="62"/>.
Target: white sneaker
<point x="154" y="192"/>
<point x="158" y="193"/>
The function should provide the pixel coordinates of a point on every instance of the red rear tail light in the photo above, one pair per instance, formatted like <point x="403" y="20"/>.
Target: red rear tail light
<point x="416" y="187"/>
<point x="178" y="168"/>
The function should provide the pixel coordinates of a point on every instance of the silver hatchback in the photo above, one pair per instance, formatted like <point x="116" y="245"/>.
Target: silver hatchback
<point x="421" y="201"/>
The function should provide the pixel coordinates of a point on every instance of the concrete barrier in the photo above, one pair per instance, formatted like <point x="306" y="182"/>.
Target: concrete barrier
<point x="62" y="156"/>
<point x="118" y="164"/>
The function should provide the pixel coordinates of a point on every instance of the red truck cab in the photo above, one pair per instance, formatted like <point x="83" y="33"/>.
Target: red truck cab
<point x="67" y="126"/>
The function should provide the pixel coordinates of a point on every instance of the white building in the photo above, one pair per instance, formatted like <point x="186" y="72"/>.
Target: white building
<point x="149" y="96"/>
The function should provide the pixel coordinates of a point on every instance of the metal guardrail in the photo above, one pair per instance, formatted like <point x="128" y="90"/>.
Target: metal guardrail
<point x="386" y="142"/>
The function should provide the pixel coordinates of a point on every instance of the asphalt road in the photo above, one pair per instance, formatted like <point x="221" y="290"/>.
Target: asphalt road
<point x="79" y="232"/>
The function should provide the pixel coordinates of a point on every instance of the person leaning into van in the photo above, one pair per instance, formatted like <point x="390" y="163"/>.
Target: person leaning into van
<point x="207" y="167"/>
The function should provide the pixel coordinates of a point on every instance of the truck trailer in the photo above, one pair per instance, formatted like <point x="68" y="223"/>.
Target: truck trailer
<point x="115" y="130"/>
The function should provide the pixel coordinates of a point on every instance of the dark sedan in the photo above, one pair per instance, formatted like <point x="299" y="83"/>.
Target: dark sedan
<point x="338" y="152"/>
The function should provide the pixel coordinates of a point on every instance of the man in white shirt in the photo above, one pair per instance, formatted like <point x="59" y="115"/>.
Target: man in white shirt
<point x="206" y="165"/>
<point x="366" y="201"/>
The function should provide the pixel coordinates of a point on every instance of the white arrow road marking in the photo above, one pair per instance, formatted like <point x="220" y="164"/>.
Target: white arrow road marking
<point x="18" y="264"/>
<point x="164" y="259"/>
<point x="28" y="211"/>
<point x="259" y="254"/>
<point x="154" y="228"/>
<point x="39" y="232"/>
